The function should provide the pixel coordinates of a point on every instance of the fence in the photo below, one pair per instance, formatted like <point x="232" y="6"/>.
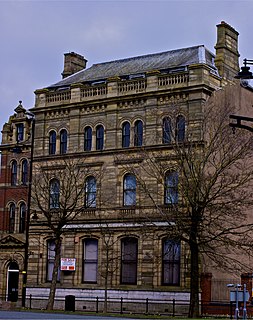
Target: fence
<point x="120" y="305"/>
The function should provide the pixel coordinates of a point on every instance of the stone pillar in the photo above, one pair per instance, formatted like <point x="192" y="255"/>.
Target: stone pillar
<point x="206" y="287"/>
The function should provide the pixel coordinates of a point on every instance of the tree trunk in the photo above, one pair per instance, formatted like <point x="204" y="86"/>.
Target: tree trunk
<point x="50" y="304"/>
<point x="194" y="282"/>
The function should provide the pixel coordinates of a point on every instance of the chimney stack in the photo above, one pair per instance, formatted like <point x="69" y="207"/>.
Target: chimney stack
<point x="73" y="63"/>
<point x="227" y="55"/>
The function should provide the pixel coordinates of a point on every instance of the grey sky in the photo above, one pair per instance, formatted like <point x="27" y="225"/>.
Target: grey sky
<point x="35" y="34"/>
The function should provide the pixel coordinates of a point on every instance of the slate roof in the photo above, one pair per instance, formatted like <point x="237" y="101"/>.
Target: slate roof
<point x="141" y="64"/>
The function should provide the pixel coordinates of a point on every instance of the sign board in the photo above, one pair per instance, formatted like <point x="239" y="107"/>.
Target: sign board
<point x="68" y="264"/>
<point x="239" y="295"/>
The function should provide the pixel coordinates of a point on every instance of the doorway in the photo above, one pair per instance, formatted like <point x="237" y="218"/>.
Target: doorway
<point x="12" y="284"/>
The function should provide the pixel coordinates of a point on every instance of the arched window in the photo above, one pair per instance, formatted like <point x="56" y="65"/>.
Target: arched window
<point x="126" y="135"/>
<point x="90" y="192"/>
<point x="171" y="262"/>
<point x="129" y="258"/>
<point x="171" y="188"/>
<point x="90" y="260"/>
<point x="12" y="209"/>
<point x="54" y="196"/>
<point x="129" y="192"/>
<point x="14" y="170"/>
<point x="63" y="141"/>
<point x="99" y="137"/>
<point x="50" y="260"/>
<point x="24" y="172"/>
<point x="180" y="128"/>
<point x="138" y="133"/>
<point x="52" y="142"/>
<point x="22" y="217"/>
<point x="167" y="130"/>
<point x="87" y="139"/>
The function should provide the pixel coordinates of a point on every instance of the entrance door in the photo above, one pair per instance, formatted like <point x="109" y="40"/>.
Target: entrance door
<point x="13" y="274"/>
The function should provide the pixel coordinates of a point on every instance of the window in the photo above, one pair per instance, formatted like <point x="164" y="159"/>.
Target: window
<point x="87" y="139"/>
<point x="180" y="128"/>
<point x="63" y="141"/>
<point x="24" y="172"/>
<point x="99" y="137"/>
<point x="14" y="168"/>
<point x="90" y="192"/>
<point x="54" y="194"/>
<point x="129" y="253"/>
<point x="171" y="188"/>
<point x="90" y="260"/>
<point x="12" y="218"/>
<point x="167" y="130"/>
<point x="129" y="192"/>
<point x="52" y="142"/>
<point x="126" y="135"/>
<point x="171" y="262"/>
<point x="20" y="132"/>
<point x="50" y="260"/>
<point x="138" y="133"/>
<point x="22" y="217"/>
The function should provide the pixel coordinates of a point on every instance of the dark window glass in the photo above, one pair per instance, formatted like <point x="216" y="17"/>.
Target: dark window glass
<point x="126" y="135"/>
<point x="180" y="128"/>
<point x="171" y="188"/>
<point x="99" y="137"/>
<point x="14" y="170"/>
<point x="20" y="132"/>
<point x="54" y="194"/>
<point x="129" y="254"/>
<point x="12" y="209"/>
<point x="90" y="192"/>
<point x="22" y="218"/>
<point x="90" y="260"/>
<point x="24" y="172"/>
<point x="50" y="260"/>
<point x="52" y="142"/>
<point x="171" y="262"/>
<point x="63" y="141"/>
<point x="87" y="139"/>
<point x="138" y="133"/>
<point x="129" y="192"/>
<point x="167" y="130"/>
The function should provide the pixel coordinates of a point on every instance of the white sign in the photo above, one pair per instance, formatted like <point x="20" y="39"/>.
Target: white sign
<point x="68" y="264"/>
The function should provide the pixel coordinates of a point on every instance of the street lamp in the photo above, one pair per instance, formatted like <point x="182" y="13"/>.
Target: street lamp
<point x="26" y="254"/>
<point x="244" y="74"/>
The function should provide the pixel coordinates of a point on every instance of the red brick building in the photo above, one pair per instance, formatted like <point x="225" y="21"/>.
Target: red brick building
<point x="14" y="181"/>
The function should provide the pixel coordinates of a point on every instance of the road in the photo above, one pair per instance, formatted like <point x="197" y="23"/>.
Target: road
<point x="27" y="315"/>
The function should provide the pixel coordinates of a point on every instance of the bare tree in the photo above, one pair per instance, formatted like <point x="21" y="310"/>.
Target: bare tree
<point x="209" y="193"/>
<point x="58" y="194"/>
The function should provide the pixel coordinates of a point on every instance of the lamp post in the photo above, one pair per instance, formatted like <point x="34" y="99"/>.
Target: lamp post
<point x="244" y="74"/>
<point x="26" y="254"/>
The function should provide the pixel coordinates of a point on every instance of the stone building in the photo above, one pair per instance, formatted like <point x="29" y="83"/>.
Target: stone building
<point x="104" y="117"/>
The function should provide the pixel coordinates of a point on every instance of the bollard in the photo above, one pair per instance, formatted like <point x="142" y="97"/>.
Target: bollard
<point x="97" y="305"/>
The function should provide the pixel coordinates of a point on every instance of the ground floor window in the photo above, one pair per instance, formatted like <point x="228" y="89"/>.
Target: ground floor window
<point x="171" y="262"/>
<point x="129" y="254"/>
<point x="90" y="260"/>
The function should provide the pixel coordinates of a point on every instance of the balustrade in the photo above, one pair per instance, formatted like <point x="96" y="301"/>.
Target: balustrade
<point x="58" y="96"/>
<point x="173" y="79"/>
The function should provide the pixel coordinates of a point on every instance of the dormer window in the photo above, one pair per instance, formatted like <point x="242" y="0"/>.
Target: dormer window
<point x="20" y="132"/>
